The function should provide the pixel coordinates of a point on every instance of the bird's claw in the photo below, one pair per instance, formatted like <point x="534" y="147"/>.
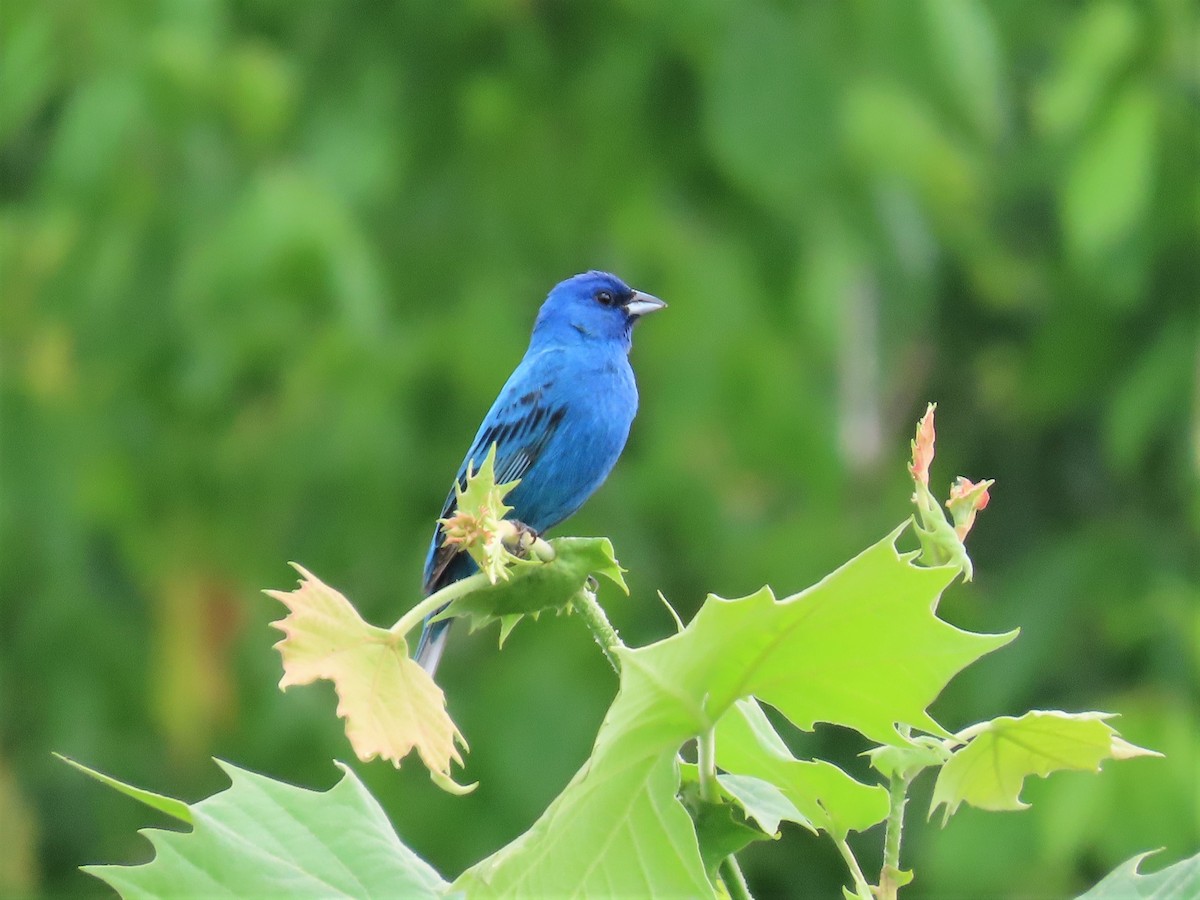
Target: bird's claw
<point x="519" y="539"/>
<point x="524" y="543"/>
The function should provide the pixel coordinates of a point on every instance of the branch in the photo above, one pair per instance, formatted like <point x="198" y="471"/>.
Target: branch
<point x="597" y="622"/>
<point x="437" y="600"/>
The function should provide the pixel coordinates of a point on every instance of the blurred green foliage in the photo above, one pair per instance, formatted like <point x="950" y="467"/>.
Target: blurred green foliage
<point x="239" y="246"/>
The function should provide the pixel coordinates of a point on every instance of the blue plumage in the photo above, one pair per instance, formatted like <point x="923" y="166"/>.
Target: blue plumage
<point x="560" y="422"/>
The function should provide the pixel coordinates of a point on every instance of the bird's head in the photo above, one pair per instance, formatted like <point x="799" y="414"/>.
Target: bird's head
<point x="592" y="306"/>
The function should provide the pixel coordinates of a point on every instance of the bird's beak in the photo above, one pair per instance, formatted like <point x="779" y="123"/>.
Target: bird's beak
<point x="640" y="304"/>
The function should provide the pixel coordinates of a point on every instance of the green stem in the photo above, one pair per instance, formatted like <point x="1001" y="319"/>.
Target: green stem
<point x="706" y="763"/>
<point x="735" y="881"/>
<point x="710" y="792"/>
<point x="889" y="882"/>
<point x="898" y="797"/>
<point x="602" y="630"/>
<point x="932" y="523"/>
<point x="436" y="601"/>
<point x="862" y="889"/>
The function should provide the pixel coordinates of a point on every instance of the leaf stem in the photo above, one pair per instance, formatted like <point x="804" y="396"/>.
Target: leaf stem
<point x="710" y="792"/>
<point x="862" y="889"/>
<point x="706" y="764"/>
<point x="889" y="876"/>
<point x="735" y="881"/>
<point x="597" y="622"/>
<point x="436" y="600"/>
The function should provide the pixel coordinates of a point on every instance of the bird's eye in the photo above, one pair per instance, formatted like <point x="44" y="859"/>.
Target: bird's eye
<point x="604" y="298"/>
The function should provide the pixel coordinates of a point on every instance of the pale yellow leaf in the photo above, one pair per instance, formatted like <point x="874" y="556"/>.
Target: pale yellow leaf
<point x="391" y="706"/>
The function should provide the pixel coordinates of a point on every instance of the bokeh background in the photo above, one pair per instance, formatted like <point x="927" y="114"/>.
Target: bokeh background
<point x="265" y="264"/>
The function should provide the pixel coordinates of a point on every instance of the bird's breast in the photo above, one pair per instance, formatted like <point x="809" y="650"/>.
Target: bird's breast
<point x="599" y="402"/>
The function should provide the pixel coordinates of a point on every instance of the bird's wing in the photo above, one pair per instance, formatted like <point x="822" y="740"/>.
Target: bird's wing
<point x="520" y="424"/>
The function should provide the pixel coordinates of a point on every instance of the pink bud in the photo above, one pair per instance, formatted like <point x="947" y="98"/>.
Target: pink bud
<point x="966" y="499"/>
<point x="922" y="447"/>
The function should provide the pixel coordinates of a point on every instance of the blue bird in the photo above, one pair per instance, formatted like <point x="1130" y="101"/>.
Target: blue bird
<point x="559" y="424"/>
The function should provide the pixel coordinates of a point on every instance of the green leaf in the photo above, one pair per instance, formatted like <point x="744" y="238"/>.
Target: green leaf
<point x="534" y="587"/>
<point x="616" y="830"/>
<point x="991" y="769"/>
<point x="1178" y="882"/>
<point x="722" y="830"/>
<point x="825" y="797"/>
<point x="265" y="838"/>
<point x="722" y="827"/>
<point x="762" y="801"/>
<point x="862" y="648"/>
<point x="177" y="809"/>
<point x="759" y="799"/>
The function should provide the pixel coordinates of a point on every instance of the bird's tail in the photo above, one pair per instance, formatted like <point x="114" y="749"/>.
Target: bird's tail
<point x="431" y="644"/>
<point x="433" y="636"/>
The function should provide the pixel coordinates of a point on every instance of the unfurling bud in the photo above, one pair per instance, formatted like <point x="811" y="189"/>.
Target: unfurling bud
<point x="481" y="534"/>
<point x="942" y="536"/>
<point x="922" y="448"/>
<point x="478" y="525"/>
<point x="479" y="528"/>
<point x="464" y="529"/>
<point x="966" y="499"/>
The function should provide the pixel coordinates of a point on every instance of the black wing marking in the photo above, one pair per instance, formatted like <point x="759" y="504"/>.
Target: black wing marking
<point x="520" y="442"/>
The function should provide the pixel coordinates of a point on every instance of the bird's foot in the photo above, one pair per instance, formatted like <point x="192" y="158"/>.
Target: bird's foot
<point x="525" y="543"/>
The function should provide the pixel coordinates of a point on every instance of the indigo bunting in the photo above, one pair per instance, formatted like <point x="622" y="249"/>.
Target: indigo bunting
<point x="559" y="424"/>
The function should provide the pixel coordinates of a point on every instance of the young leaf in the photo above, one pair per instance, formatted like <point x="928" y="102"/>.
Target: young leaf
<point x="724" y="826"/>
<point x="966" y="499"/>
<point x="264" y="838"/>
<point x="721" y="830"/>
<point x="905" y="762"/>
<point x="1178" y="882"/>
<point x="991" y="769"/>
<point x="762" y="801"/>
<point x="862" y="648"/>
<point x="825" y="797"/>
<point x="388" y="701"/>
<point x="478" y="514"/>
